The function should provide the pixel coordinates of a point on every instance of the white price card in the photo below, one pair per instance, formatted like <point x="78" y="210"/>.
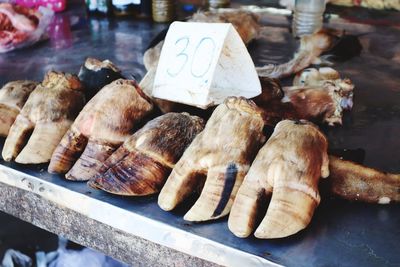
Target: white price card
<point x="201" y="64"/>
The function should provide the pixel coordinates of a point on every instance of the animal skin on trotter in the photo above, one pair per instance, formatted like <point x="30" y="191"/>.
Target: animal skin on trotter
<point x="106" y="121"/>
<point x="142" y="164"/>
<point x="47" y="114"/>
<point x="221" y="154"/>
<point x="13" y="96"/>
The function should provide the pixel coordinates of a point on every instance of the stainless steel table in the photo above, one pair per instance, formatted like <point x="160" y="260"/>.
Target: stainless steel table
<point x="136" y="231"/>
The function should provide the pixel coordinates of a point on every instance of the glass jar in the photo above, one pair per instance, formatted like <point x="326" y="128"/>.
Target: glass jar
<point x="163" y="10"/>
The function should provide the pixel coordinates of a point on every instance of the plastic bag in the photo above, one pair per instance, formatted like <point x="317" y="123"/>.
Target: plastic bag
<point x="83" y="258"/>
<point x="14" y="258"/>
<point x="29" y="38"/>
<point x="62" y="257"/>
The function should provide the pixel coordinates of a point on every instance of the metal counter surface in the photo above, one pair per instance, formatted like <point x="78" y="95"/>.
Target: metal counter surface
<point x="341" y="233"/>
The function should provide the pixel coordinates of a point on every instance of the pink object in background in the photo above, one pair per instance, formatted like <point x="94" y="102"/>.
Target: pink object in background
<point x="27" y="3"/>
<point x="55" y="5"/>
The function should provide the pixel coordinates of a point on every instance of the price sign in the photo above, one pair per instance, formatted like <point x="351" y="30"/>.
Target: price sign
<point x="203" y="63"/>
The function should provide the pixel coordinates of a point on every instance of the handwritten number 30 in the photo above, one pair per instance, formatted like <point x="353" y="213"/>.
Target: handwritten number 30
<point x="205" y="45"/>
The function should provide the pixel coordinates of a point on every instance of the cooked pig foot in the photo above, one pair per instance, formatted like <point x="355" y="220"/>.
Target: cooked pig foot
<point x="353" y="181"/>
<point x="287" y="167"/>
<point x="68" y="150"/>
<point x="13" y="96"/>
<point x="45" y="138"/>
<point x="222" y="152"/>
<point x="103" y="125"/>
<point x="47" y="114"/>
<point x="142" y="164"/>
<point x="91" y="160"/>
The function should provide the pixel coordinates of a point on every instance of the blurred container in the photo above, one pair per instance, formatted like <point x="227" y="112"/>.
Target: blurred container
<point x="139" y="9"/>
<point x="163" y="10"/>
<point x="122" y="8"/>
<point x="99" y="7"/>
<point x="308" y="17"/>
<point x="218" y="3"/>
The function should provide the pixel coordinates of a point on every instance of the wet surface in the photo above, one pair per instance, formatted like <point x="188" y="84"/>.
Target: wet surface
<point x="341" y="233"/>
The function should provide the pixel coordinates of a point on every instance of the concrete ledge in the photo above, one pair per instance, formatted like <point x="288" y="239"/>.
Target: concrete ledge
<point x="91" y="233"/>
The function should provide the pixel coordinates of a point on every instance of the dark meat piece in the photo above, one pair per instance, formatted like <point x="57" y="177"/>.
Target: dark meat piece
<point x="96" y="74"/>
<point x="317" y="95"/>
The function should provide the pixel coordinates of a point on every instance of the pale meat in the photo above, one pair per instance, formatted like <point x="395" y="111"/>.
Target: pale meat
<point x="220" y="155"/>
<point x="13" y="96"/>
<point x="142" y="164"/>
<point x="106" y="121"/>
<point x="287" y="169"/>
<point x="46" y="116"/>
<point x="16" y="23"/>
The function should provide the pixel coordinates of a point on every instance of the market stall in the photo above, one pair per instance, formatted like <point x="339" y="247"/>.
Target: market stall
<point x="136" y="231"/>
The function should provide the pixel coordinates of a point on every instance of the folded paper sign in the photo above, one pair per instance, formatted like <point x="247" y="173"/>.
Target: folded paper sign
<point x="201" y="64"/>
